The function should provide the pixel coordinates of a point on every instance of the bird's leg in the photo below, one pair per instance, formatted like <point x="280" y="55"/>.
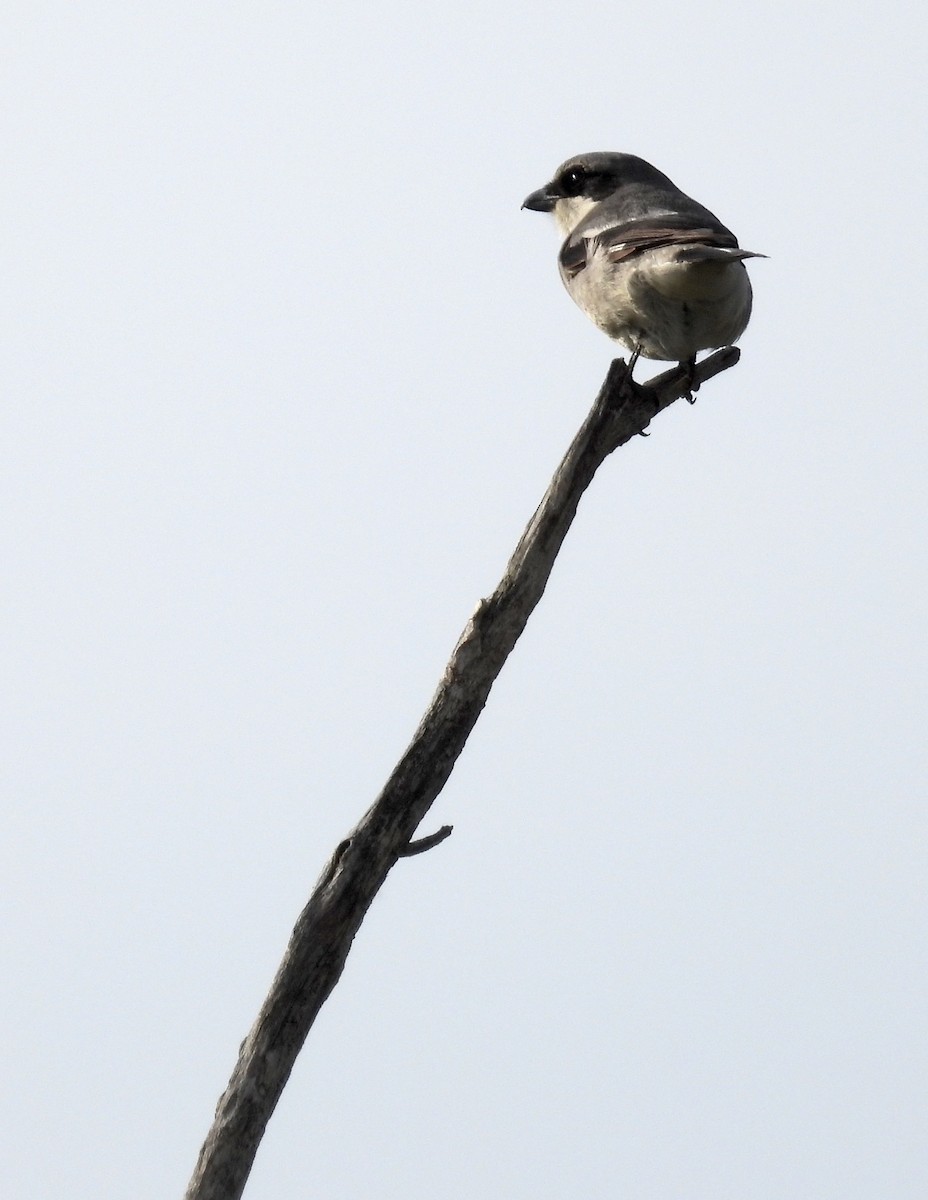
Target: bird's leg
<point x="691" y="383"/>
<point x="635" y="355"/>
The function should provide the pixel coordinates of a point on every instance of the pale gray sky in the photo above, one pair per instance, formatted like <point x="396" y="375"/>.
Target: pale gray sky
<point x="285" y="371"/>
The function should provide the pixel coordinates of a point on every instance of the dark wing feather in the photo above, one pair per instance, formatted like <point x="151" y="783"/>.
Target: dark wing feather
<point x="624" y="241"/>
<point x="621" y="245"/>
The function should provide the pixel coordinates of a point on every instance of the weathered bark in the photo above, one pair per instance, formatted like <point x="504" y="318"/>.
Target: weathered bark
<point x="325" y="929"/>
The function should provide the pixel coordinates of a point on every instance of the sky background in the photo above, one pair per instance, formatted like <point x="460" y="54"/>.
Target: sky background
<point x="285" y="371"/>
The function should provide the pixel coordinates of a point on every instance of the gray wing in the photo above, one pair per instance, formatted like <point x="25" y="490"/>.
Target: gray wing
<point x="623" y="241"/>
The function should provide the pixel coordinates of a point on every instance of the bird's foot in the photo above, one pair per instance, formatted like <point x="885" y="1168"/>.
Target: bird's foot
<point x="692" y="383"/>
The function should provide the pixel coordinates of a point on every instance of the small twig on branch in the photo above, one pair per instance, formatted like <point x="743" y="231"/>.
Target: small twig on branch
<point x="420" y="845"/>
<point x="323" y="934"/>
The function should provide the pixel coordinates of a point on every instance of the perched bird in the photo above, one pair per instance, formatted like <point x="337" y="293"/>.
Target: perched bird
<point x="652" y="268"/>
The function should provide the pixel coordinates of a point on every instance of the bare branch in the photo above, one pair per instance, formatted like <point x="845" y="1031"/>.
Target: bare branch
<point x="420" y="845"/>
<point x="322" y="937"/>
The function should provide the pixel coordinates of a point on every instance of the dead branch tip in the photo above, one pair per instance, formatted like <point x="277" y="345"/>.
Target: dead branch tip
<point x="420" y="845"/>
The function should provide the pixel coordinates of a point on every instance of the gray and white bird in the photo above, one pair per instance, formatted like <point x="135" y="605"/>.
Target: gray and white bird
<point x="650" y="266"/>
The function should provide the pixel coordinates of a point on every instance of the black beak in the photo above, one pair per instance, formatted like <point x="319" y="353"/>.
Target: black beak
<point x="543" y="200"/>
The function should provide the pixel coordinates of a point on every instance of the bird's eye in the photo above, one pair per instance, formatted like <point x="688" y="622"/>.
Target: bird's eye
<point x="572" y="181"/>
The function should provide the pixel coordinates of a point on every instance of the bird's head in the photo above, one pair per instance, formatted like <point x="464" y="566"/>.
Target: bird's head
<point x="583" y="181"/>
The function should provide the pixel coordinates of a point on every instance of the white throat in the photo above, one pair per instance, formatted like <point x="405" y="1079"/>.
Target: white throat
<point x="570" y="211"/>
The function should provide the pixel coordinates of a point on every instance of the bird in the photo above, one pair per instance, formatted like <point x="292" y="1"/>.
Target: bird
<point x="650" y="266"/>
